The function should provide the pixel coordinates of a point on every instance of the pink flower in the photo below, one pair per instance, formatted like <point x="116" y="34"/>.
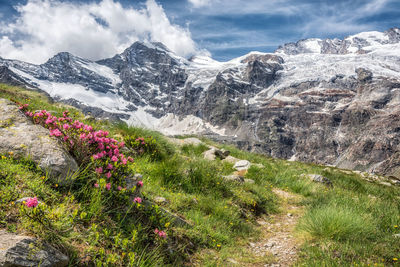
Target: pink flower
<point x="110" y="166"/>
<point x="82" y="136"/>
<point x="66" y="126"/>
<point x="55" y="132"/>
<point x="96" y="185"/>
<point x="119" y="188"/>
<point x="137" y="200"/>
<point x="162" y="234"/>
<point x="130" y="159"/>
<point x="124" y="161"/>
<point x="108" y="174"/>
<point x="31" y="202"/>
<point x="88" y="128"/>
<point x="116" y="151"/>
<point x="114" y="158"/>
<point x="99" y="170"/>
<point x="139" y="184"/>
<point x="108" y="186"/>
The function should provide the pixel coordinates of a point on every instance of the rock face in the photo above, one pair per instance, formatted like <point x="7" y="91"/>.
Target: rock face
<point x="19" y="136"/>
<point x="326" y="101"/>
<point x="24" y="251"/>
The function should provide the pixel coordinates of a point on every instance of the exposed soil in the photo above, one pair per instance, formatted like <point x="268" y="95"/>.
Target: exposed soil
<point x="277" y="233"/>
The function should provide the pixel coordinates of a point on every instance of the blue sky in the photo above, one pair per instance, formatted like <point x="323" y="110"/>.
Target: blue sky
<point x="224" y="28"/>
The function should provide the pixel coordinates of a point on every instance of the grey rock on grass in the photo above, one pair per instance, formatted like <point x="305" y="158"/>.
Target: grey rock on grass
<point x="22" y="138"/>
<point x="19" y="250"/>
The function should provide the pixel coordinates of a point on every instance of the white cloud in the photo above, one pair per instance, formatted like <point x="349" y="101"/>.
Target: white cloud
<point x="341" y="18"/>
<point x="200" y="3"/>
<point x="96" y="30"/>
<point x="240" y="7"/>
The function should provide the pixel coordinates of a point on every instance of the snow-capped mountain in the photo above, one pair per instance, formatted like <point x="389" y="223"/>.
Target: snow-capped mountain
<point x="329" y="101"/>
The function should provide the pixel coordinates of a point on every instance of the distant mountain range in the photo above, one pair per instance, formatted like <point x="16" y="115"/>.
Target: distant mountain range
<point x="328" y="101"/>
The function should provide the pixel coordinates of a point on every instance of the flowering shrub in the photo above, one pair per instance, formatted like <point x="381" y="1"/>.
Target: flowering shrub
<point x="31" y="202"/>
<point x="161" y="234"/>
<point x="86" y="145"/>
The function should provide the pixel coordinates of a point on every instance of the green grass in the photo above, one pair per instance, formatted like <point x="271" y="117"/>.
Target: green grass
<point x="352" y="223"/>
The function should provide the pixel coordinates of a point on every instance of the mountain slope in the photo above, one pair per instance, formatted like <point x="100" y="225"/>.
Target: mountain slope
<point x="325" y="101"/>
<point x="274" y="213"/>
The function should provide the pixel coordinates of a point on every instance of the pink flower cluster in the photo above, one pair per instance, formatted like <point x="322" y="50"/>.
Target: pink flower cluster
<point x="161" y="234"/>
<point x="86" y="144"/>
<point x="24" y="106"/>
<point x="140" y="140"/>
<point x="31" y="202"/>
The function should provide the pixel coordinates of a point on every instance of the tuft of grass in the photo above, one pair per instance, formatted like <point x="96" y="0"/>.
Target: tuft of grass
<point x="337" y="223"/>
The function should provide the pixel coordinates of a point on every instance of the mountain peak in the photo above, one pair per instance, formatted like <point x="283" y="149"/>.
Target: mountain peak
<point x="363" y="42"/>
<point x="63" y="57"/>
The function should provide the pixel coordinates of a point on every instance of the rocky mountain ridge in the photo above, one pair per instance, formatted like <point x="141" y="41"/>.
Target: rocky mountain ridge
<point x="326" y="101"/>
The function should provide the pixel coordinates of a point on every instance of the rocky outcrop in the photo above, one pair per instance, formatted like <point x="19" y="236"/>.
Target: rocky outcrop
<point x="21" y="138"/>
<point x="24" y="251"/>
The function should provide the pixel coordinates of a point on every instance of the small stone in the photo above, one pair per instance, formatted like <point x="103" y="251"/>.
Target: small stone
<point x="385" y="183"/>
<point x="289" y="215"/>
<point x="242" y="165"/>
<point x="234" y="178"/>
<point x="231" y="159"/>
<point x="210" y="154"/>
<point x="160" y="200"/>
<point x="319" y="179"/>
<point x="232" y="261"/>
<point x="397" y="235"/>
<point x="395" y="182"/>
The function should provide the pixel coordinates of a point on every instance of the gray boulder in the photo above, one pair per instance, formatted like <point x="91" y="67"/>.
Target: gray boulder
<point x="18" y="250"/>
<point x="22" y="138"/>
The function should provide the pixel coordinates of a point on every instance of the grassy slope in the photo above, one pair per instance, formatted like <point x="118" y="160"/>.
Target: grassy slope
<point x="353" y="223"/>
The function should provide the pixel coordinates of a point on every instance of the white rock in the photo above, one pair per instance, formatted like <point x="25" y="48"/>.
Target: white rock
<point x="242" y="165"/>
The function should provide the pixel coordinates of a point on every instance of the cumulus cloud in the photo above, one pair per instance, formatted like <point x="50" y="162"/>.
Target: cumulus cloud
<point x="91" y="30"/>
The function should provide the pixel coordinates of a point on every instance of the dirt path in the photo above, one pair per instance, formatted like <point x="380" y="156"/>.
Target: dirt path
<point x="277" y="242"/>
